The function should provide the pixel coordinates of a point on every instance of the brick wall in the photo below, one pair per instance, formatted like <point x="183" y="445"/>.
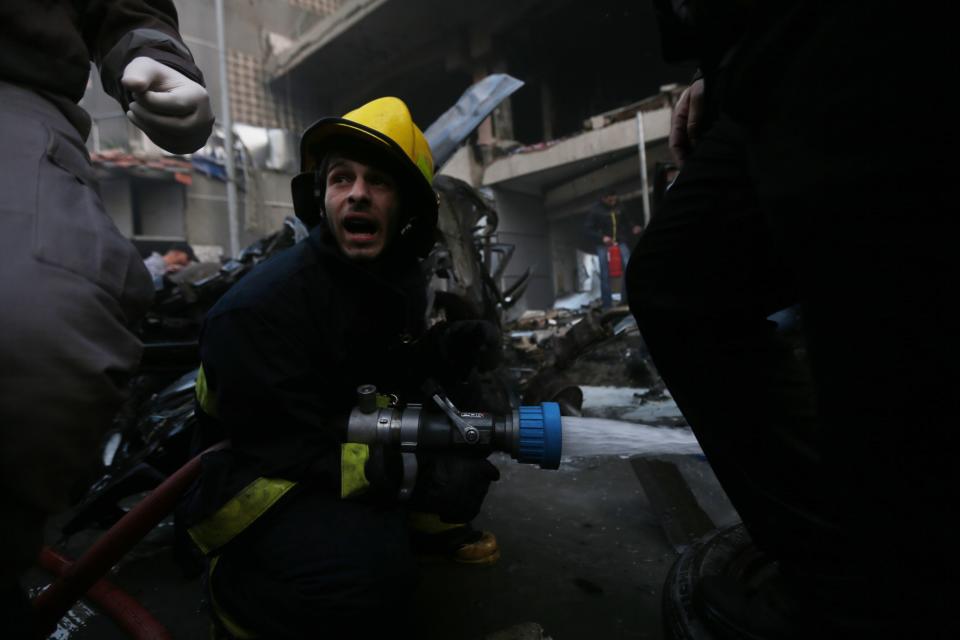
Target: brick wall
<point x="252" y="100"/>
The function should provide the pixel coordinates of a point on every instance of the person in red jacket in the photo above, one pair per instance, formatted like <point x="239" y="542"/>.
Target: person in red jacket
<point x="71" y="284"/>
<point x="610" y="228"/>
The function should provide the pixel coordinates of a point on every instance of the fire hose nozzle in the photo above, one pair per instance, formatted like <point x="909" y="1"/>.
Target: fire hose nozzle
<point x="539" y="438"/>
<point x="532" y="434"/>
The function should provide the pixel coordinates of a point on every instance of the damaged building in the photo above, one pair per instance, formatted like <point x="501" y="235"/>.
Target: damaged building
<point x="592" y="116"/>
<point x="159" y="201"/>
<point x="551" y="149"/>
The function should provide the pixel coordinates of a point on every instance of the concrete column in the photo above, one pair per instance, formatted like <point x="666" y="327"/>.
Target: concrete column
<point x="485" y="130"/>
<point x="546" y="109"/>
<point x="503" y="114"/>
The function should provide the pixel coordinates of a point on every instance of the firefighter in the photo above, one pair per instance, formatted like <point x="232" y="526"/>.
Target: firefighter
<point x="306" y="532"/>
<point x="71" y="284"/>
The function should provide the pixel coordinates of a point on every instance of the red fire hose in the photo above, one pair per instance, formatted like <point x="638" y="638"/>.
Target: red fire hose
<point x="78" y="578"/>
<point x="125" y="611"/>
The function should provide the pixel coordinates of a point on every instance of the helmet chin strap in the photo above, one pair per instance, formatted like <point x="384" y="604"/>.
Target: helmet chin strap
<point x="318" y="193"/>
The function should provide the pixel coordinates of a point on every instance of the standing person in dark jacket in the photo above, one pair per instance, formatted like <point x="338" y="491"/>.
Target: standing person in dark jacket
<point x="784" y="197"/>
<point x="608" y="225"/>
<point x="71" y="285"/>
<point x="306" y="532"/>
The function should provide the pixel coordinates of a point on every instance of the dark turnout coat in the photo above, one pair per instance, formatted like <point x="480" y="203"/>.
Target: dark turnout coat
<point x="283" y="354"/>
<point x="306" y="529"/>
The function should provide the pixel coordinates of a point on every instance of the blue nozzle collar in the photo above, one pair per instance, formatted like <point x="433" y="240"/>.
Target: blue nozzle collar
<point x="541" y="440"/>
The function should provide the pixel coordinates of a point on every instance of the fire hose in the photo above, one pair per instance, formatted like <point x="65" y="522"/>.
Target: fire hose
<point x="531" y="434"/>
<point x="129" y="614"/>
<point x="83" y="576"/>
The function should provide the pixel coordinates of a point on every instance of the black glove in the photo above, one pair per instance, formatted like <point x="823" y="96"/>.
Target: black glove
<point x="455" y="349"/>
<point x="452" y="486"/>
<point x="384" y="472"/>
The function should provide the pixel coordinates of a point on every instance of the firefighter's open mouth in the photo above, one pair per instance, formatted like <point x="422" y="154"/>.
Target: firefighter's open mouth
<point x="360" y="225"/>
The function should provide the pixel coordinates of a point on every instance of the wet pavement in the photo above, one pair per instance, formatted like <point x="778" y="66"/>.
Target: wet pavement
<point x="584" y="551"/>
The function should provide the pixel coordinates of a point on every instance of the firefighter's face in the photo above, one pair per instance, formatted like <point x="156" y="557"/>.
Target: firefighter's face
<point x="361" y="204"/>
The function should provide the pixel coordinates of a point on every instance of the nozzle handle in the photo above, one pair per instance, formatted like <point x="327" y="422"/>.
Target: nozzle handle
<point x="468" y="432"/>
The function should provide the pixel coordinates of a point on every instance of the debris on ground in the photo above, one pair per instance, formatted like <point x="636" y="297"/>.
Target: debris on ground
<point x="552" y="351"/>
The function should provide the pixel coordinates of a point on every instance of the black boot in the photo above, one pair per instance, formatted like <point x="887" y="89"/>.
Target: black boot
<point x="785" y="608"/>
<point x="738" y="612"/>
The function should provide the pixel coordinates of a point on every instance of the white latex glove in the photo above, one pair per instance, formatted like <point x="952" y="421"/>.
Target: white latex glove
<point x="173" y="110"/>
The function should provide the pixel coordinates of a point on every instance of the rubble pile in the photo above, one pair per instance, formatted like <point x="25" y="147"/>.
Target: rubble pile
<point x="553" y="352"/>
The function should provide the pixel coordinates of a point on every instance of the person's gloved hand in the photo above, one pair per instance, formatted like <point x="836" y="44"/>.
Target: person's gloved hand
<point x="687" y="116"/>
<point x="460" y="346"/>
<point x="173" y="110"/>
<point x="452" y="486"/>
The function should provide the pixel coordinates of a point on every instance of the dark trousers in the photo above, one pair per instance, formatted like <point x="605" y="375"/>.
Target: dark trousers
<point x="70" y="285"/>
<point x="320" y="567"/>
<point x="842" y="470"/>
<point x="702" y="281"/>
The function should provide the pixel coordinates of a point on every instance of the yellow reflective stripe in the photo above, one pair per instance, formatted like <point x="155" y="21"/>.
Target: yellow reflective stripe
<point x="233" y="627"/>
<point x="206" y="397"/>
<point x="429" y="523"/>
<point x="239" y="513"/>
<point x="353" y="461"/>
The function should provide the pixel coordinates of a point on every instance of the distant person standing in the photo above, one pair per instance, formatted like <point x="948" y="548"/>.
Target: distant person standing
<point x="610" y="228"/>
<point x="71" y="284"/>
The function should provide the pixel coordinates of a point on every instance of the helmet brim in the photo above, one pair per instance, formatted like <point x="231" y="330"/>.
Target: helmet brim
<point x="325" y="135"/>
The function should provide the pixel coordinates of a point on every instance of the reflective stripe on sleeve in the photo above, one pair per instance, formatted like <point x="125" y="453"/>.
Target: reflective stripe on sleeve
<point x="205" y="396"/>
<point x="239" y="513"/>
<point x="353" y="461"/>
